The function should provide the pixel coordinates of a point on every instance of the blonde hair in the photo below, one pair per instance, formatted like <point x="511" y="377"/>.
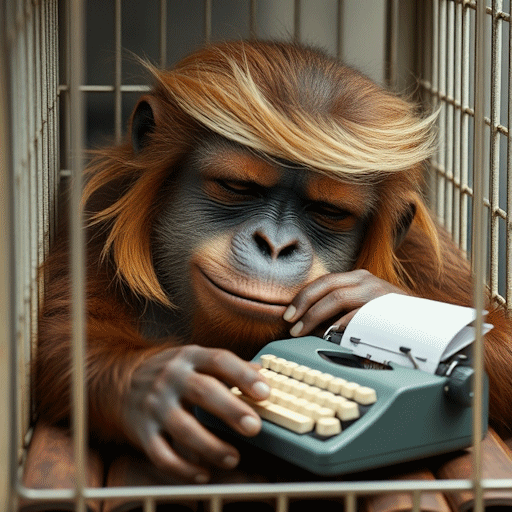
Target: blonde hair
<point x="252" y="94"/>
<point x="288" y="102"/>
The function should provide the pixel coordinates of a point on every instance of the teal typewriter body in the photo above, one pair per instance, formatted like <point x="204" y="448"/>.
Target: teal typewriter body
<point x="415" y="414"/>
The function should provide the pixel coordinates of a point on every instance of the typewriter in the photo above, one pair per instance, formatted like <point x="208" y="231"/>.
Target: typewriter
<point x="332" y="412"/>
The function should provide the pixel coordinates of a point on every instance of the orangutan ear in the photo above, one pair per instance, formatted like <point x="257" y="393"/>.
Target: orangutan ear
<point x="144" y="121"/>
<point x="403" y="225"/>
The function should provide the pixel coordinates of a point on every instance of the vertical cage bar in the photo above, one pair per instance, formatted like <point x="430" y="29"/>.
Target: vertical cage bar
<point x="149" y="505"/>
<point x="45" y="134"/>
<point x="56" y="161"/>
<point x="8" y="377"/>
<point x="496" y="42"/>
<point x="35" y="211"/>
<point x="50" y="108"/>
<point x="441" y="56"/>
<point x="23" y="191"/>
<point x="118" y="99"/>
<point x="43" y="118"/>
<point x="457" y="190"/>
<point x="450" y="113"/>
<point x="163" y="33"/>
<point x="339" y="30"/>
<point x="434" y="90"/>
<point x="422" y="30"/>
<point x="416" y="501"/>
<point x="38" y="146"/>
<point x="207" y="20"/>
<point x="65" y="152"/>
<point x="508" y="274"/>
<point x="282" y="503"/>
<point x="464" y="161"/>
<point x="17" y="140"/>
<point x="53" y="113"/>
<point x="43" y="55"/>
<point x="392" y="43"/>
<point x="297" y="16"/>
<point x="350" y="502"/>
<point x="77" y="247"/>
<point x="216" y="504"/>
<point x="36" y="215"/>
<point x="253" y="17"/>
<point x="478" y="249"/>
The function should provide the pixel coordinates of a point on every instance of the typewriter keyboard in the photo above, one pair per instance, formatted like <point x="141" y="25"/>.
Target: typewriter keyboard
<point x="332" y="414"/>
<point x="305" y="400"/>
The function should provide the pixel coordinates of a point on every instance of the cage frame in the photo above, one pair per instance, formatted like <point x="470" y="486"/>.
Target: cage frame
<point x="443" y="90"/>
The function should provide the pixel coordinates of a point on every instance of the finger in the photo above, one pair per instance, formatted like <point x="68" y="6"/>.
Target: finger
<point x="234" y="371"/>
<point x="342" y="323"/>
<point x="334" y="293"/>
<point x="198" y="442"/>
<point x="213" y="396"/>
<point x="329" y="306"/>
<point x="318" y="289"/>
<point x="166" y="459"/>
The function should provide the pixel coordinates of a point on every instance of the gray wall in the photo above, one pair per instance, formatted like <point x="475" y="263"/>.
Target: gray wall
<point x="363" y="36"/>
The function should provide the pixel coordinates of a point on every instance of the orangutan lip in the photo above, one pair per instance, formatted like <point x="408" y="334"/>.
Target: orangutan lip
<point x="242" y="297"/>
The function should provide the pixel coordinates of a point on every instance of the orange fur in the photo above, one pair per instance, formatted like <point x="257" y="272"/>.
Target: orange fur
<point x="247" y="92"/>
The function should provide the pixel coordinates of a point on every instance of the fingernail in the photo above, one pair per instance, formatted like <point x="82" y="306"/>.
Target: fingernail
<point x="261" y="389"/>
<point x="201" y="478"/>
<point x="289" y="313"/>
<point x="297" y="328"/>
<point x="250" y="425"/>
<point x="230" y="461"/>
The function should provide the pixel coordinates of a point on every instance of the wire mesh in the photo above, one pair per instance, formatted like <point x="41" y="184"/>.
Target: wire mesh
<point x="451" y="88"/>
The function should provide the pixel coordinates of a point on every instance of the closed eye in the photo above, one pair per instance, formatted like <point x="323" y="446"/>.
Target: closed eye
<point x="244" y="188"/>
<point x="331" y="216"/>
<point x="328" y="210"/>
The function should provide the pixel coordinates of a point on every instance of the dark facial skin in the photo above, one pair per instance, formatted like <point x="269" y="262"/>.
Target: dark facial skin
<point x="250" y="250"/>
<point x="247" y="233"/>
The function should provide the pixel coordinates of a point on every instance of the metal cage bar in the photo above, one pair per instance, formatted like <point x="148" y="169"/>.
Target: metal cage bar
<point x="496" y="60"/>
<point x="118" y="99"/>
<point x="448" y="141"/>
<point x="454" y="168"/>
<point x="163" y="34"/>
<point x="30" y="164"/>
<point x="478" y="253"/>
<point x="297" y="15"/>
<point x="8" y="402"/>
<point x="508" y="270"/>
<point x="208" y="20"/>
<point x="456" y="93"/>
<point x="464" y="115"/>
<point x="32" y="52"/>
<point x="77" y="243"/>
<point x="339" y="34"/>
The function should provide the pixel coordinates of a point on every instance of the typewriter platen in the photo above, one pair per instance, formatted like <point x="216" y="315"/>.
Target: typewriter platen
<point x="361" y="417"/>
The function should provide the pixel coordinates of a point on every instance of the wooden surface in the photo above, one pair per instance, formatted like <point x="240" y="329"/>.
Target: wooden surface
<point x="402" y="502"/>
<point x="496" y="463"/>
<point x="49" y="465"/>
